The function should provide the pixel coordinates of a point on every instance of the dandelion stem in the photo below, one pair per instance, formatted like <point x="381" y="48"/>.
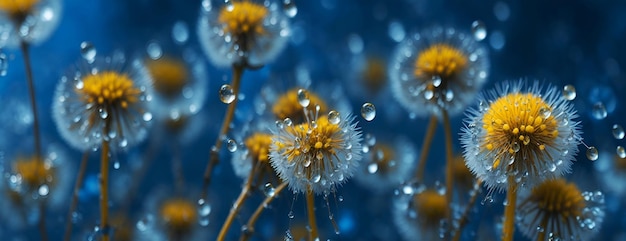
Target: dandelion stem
<point x="257" y="213"/>
<point x="215" y="150"/>
<point x="177" y="168"/>
<point x="449" y="163"/>
<point x="310" y="204"/>
<point x="234" y="210"/>
<point x="104" y="191"/>
<point x="36" y="133"/>
<point x="74" y="202"/>
<point x="138" y="176"/>
<point x="508" y="228"/>
<point x="428" y="139"/>
<point x="463" y="219"/>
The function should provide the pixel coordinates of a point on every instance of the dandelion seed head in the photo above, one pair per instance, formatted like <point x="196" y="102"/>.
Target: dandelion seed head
<point x="17" y="7"/>
<point x="318" y="154"/>
<point x="288" y="105"/>
<point x="420" y="214"/>
<point x="387" y="164"/>
<point x="441" y="60"/>
<point x="258" y="146"/>
<point x="109" y="89"/>
<point x="179" y="215"/>
<point x="524" y="132"/>
<point x="169" y="75"/>
<point x="243" y="18"/>
<point x="374" y="74"/>
<point x="33" y="171"/>
<point x="430" y="206"/>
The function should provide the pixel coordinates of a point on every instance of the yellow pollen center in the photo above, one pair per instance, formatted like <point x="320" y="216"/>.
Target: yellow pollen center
<point x="558" y="198"/>
<point x="374" y="75"/>
<point x="180" y="215"/>
<point x="520" y="124"/>
<point x="431" y="207"/>
<point x="109" y="88"/>
<point x="440" y="60"/>
<point x="316" y="143"/>
<point x="243" y="17"/>
<point x="169" y="76"/>
<point x="383" y="155"/>
<point x="287" y="106"/>
<point x="33" y="171"/>
<point x="17" y="7"/>
<point x="259" y="146"/>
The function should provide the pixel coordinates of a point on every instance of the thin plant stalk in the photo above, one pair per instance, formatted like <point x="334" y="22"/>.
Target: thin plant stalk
<point x="310" y="205"/>
<point x="257" y="213"/>
<point x="177" y="168"/>
<point x="104" y="191"/>
<point x="230" y="112"/>
<point x="428" y="139"/>
<point x="79" y="182"/>
<point x="234" y="210"/>
<point x="449" y="163"/>
<point x="508" y="228"/>
<point x="463" y="219"/>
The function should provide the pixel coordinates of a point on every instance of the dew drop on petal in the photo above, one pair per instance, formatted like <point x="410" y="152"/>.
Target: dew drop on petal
<point x="154" y="50"/>
<point x="43" y="190"/>
<point x="147" y="116"/>
<point x="569" y="92"/>
<point x="269" y="190"/>
<point x="88" y="51"/>
<point x="333" y="117"/>
<point x="368" y="111"/>
<point x="372" y="168"/>
<point x="290" y="8"/>
<point x="618" y="132"/>
<point x="231" y="145"/>
<point x="599" y="111"/>
<point x="621" y="152"/>
<point x="592" y="153"/>
<point x="180" y="32"/>
<point x="479" y="30"/>
<point x="303" y="98"/>
<point x="227" y="94"/>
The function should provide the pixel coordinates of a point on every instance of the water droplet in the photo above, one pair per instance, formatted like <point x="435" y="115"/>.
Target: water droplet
<point x="116" y="165"/>
<point x="316" y="178"/>
<point x="516" y="147"/>
<point x="43" y="190"/>
<point x="368" y="111"/>
<point x="227" y="95"/>
<point x="231" y="145"/>
<point x="396" y="31"/>
<point x="287" y="122"/>
<point x="598" y="111"/>
<point x="4" y="65"/>
<point x="618" y="132"/>
<point x="123" y="143"/>
<point x="333" y="117"/>
<point x="88" y="51"/>
<point x="303" y="98"/>
<point x="289" y="6"/>
<point x="147" y="116"/>
<point x="103" y="113"/>
<point x="355" y="43"/>
<point x="229" y="5"/>
<point x="592" y="153"/>
<point x="372" y="168"/>
<point x="154" y="50"/>
<point x="436" y="80"/>
<point x="269" y="190"/>
<point x="290" y="214"/>
<point x="180" y="32"/>
<point x="479" y="30"/>
<point x="621" y="152"/>
<point x="569" y="92"/>
<point x="545" y="112"/>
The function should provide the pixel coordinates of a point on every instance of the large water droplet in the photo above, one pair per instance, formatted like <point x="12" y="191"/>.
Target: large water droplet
<point x="618" y="132"/>
<point x="479" y="30"/>
<point x="545" y="112"/>
<point x="180" y="32"/>
<point x="227" y="94"/>
<point x="88" y="51"/>
<point x="303" y="98"/>
<point x="316" y="178"/>
<point x="368" y="111"/>
<point x="569" y="92"/>
<point x="154" y="50"/>
<point x="592" y="153"/>
<point x="4" y="65"/>
<point x="290" y="8"/>
<point x="621" y="152"/>
<point x="269" y="190"/>
<point x="231" y="145"/>
<point x="43" y="190"/>
<point x="147" y="116"/>
<point x="333" y="117"/>
<point x="103" y="113"/>
<point x="372" y="168"/>
<point x="599" y="111"/>
<point x="516" y="147"/>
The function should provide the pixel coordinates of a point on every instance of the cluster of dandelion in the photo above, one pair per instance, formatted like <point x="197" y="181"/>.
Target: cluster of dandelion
<point x="521" y="138"/>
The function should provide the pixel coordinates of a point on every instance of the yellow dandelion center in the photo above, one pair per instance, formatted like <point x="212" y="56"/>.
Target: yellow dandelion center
<point x="440" y="60"/>
<point x="33" y="171"/>
<point x="169" y="76"/>
<point x="258" y="146"/>
<point x="109" y="88"/>
<point x="287" y="106"/>
<point x="243" y="18"/>
<point x="383" y="155"/>
<point x="516" y="124"/>
<point x="558" y="198"/>
<point x="17" y="7"/>
<point x="180" y="215"/>
<point x="431" y="207"/>
<point x="374" y="75"/>
<point x="315" y="143"/>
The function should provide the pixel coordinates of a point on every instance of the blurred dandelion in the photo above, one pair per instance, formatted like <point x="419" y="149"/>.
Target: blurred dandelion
<point x="27" y="21"/>
<point x="420" y="212"/>
<point x="518" y="137"/>
<point x="386" y="164"/>
<point x="556" y="209"/>
<point x="289" y="104"/>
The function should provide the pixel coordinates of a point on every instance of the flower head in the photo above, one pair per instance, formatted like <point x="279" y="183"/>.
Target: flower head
<point x="257" y="148"/>
<point x="242" y="32"/>
<point x="180" y="215"/>
<point x="31" y="21"/>
<point x="386" y="165"/>
<point x="524" y="132"/>
<point x="419" y="212"/>
<point x="316" y="155"/>
<point x="104" y="103"/>
<point x="288" y="104"/>
<point x="438" y="69"/>
<point x="556" y="209"/>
